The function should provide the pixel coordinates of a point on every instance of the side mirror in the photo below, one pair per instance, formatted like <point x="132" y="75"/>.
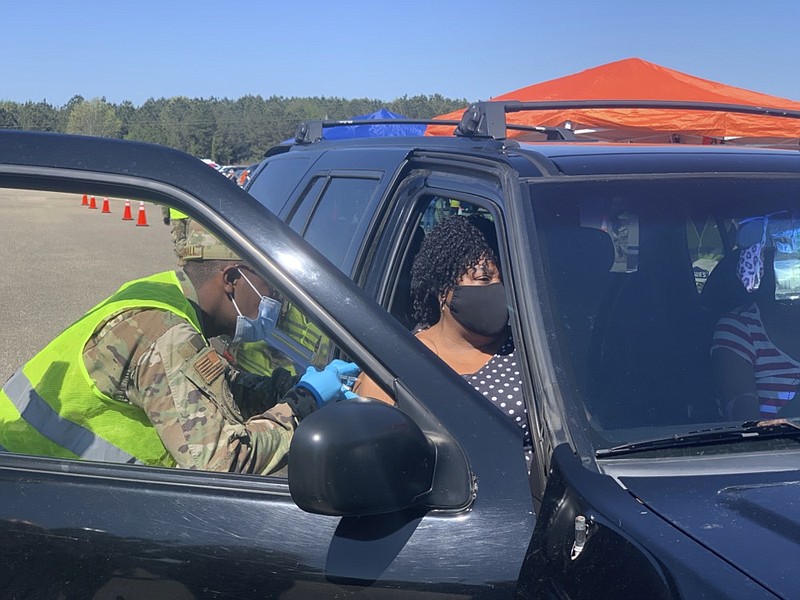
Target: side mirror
<point x="359" y="457"/>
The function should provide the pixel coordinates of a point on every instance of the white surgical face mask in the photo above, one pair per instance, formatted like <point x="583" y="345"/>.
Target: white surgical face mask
<point x="254" y="330"/>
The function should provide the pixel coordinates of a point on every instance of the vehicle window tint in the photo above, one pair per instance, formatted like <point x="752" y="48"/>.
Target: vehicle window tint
<point x="276" y="180"/>
<point x="706" y="236"/>
<point x="437" y="208"/>
<point x="75" y="378"/>
<point x="637" y="341"/>
<point x="622" y="226"/>
<point x="337" y="216"/>
<point x="299" y="215"/>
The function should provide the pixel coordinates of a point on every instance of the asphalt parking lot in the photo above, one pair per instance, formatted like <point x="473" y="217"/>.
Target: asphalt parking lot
<point x="60" y="258"/>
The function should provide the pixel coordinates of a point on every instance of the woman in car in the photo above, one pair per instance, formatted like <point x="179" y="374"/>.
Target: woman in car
<point x="461" y="310"/>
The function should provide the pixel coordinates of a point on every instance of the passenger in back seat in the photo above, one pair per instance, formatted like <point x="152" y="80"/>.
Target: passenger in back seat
<point x="756" y="349"/>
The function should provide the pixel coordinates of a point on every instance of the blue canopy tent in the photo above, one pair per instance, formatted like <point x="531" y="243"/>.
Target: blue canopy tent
<point x="377" y="130"/>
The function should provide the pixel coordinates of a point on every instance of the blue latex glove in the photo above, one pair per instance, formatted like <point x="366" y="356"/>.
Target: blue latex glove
<point x="327" y="385"/>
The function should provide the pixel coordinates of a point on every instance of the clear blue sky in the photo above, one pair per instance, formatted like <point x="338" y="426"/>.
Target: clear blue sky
<point x="473" y="49"/>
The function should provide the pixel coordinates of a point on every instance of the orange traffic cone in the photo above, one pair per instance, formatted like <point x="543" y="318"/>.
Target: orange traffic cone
<point x="85" y="201"/>
<point x="106" y="207"/>
<point x="126" y="214"/>
<point x="142" y="221"/>
<point x="92" y="203"/>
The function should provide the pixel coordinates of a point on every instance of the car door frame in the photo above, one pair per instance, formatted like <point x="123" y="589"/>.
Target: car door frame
<point x="494" y="186"/>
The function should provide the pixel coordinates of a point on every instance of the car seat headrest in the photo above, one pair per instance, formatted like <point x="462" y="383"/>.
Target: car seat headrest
<point x="582" y="254"/>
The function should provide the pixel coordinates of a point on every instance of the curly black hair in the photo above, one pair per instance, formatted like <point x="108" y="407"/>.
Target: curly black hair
<point x="448" y="251"/>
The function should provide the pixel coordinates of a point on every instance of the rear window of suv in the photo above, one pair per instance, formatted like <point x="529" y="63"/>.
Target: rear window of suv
<point x="277" y="179"/>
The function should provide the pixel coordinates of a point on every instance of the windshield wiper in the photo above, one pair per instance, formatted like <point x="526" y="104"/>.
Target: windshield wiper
<point x="747" y="430"/>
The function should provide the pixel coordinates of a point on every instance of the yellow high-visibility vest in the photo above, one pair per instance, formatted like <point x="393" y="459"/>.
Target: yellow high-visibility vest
<point x="51" y="407"/>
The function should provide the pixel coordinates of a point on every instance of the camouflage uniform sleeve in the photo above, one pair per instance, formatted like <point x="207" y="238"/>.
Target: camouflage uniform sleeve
<point x="179" y="232"/>
<point x="181" y="383"/>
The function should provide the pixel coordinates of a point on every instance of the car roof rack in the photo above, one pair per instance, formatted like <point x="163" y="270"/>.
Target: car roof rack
<point x="309" y="132"/>
<point x="488" y="119"/>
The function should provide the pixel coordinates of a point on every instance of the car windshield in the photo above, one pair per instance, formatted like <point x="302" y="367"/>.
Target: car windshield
<point x="674" y="300"/>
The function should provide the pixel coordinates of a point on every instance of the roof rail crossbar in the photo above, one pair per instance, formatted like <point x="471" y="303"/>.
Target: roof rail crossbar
<point x="488" y="119"/>
<point x="484" y="119"/>
<point x="770" y="111"/>
<point x="309" y="132"/>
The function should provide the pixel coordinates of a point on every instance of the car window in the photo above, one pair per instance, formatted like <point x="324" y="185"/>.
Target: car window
<point x="69" y="254"/>
<point x="640" y="277"/>
<point x="337" y="215"/>
<point x="438" y="208"/>
<point x="709" y="238"/>
<point x="429" y="210"/>
<point x="296" y="343"/>
<point x="298" y="218"/>
<point x="276" y="180"/>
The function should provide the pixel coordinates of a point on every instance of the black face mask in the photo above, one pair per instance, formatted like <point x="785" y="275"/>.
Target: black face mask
<point x="480" y="308"/>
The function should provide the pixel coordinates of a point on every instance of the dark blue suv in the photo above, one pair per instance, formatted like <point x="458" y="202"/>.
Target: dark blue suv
<point x="629" y="270"/>
<point x="623" y="263"/>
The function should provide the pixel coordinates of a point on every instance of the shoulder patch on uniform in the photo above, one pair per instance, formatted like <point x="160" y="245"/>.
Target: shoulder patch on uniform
<point x="191" y="347"/>
<point x="209" y="366"/>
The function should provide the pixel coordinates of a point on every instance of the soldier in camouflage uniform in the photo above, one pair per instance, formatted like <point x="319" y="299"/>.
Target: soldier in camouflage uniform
<point x="179" y="229"/>
<point x="146" y="387"/>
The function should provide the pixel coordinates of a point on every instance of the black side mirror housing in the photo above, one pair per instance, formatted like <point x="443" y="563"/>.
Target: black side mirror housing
<point x="360" y="457"/>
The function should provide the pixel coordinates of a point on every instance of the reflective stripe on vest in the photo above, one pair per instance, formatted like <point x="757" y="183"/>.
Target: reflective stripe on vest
<point x="51" y="407"/>
<point x="80" y="441"/>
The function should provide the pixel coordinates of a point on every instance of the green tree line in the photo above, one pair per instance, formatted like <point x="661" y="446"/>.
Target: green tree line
<point x="226" y="131"/>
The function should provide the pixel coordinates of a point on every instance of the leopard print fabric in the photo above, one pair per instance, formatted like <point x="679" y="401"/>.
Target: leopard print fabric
<point x="751" y="266"/>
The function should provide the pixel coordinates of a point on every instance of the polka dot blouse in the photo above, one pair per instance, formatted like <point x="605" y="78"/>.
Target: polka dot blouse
<point x="500" y="382"/>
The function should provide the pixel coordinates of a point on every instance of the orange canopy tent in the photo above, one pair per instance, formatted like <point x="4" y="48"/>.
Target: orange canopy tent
<point x="637" y="79"/>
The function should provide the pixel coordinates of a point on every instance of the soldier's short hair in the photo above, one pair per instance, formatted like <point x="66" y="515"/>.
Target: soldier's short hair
<point x="200" y="271"/>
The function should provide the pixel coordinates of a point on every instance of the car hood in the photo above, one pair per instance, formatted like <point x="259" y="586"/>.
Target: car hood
<point x="751" y="520"/>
